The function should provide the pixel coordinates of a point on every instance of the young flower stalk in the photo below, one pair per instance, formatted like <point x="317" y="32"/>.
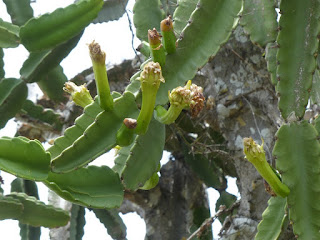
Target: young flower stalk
<point x="257" y="156"/>
<point x="169" y="38"/>
<point x="98" y="58"/>
<point x="150" y="79"/>
<point x="125" y="134"/>
<point x="189" y="96"/>
<point x="156" y="48"/>
<point x="80" y="94"/>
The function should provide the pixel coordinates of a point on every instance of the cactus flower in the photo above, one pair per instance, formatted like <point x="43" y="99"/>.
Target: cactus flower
<point x="188" y="97"/>
<point x="80" y="94"/>
<point x="257" y="156"/>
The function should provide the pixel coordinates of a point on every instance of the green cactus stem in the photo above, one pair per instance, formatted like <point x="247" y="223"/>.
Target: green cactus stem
<point x="156" y="48"/>
<point x="169" y="38"/>
<point x="150" y="79"/>
<point x="80" y="94"/>
<point x="98" y="58"/>
<point x="125" y="134"/>
<point x="144" y="49"/>
<point x="257" y="156"/>
<point x="189" y="96"/>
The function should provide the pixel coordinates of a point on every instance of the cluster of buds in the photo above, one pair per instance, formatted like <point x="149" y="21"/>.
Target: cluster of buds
<point x="189" y="96"/>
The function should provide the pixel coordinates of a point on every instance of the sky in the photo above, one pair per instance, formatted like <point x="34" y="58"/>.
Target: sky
<point x="115" y="39"/>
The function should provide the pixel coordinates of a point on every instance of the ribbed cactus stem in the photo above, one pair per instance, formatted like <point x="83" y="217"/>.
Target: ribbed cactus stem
<point x="257" y="156"/>
<point x="150" y="79"/>
<point x="98" y="58"/>
<point x="156" y="48"/>
<point x="80" y="94"/>
<point x="169" y="38"/>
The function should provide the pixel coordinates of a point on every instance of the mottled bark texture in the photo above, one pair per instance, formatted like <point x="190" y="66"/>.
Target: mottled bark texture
<point x="241" y="102"/>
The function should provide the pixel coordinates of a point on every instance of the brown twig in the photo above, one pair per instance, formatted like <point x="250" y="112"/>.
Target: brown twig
<point x="208" y="222"/>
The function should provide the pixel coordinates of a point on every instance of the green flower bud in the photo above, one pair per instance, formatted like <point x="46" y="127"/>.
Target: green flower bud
<point x="150" y="79"/>
<point x="80" y="94"/>
<point x="257" y="156"/>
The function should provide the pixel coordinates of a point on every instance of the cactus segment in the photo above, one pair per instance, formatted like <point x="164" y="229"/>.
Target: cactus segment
<point x="52" y="29"/>
<point x="209" y="27"/>
<point x="97" y="187"/>
<point x="259" y="19"/>
<point x="40" y="63"/>
<point x="24" y="158"/>
<point x="271" y="58"/>
<point x="77" y="222"/>
<point x="112" y="221"/>
<point x="9" y="208"/>
<point x="144" y="157"/>
<point x="20" y="11"/>
<point x="9" y="35"/>
<point x="13" y="93"/>
<point x="272" y="219"/>
<point x="298" y="43"/>
<point x="169" y="38"/>
<point x="1" y="64"/>
<point x="28" y="232"/>
<point x="98" y="58"/>
<point x="52" y="84"/>
<point x="74" y="132"/>
<point x="40" y="113"/>
<point x="151" y="182"/>
<point x="297" y="151"/>
<point x="121" y="158"/>
<point x="315" y="91"/>
<point x="150" y="79"/>
<point x="111" y="10"/>
<point x="147" y="14"/>
<point x="98" y="138"/>
<point x="36" y="213"/>
<point x="30" y="188"/>
<point x="181" y="15"/>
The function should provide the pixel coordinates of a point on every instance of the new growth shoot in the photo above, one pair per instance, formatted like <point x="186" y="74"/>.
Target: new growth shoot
<point x="257" y="156"/>
<point x="98" y="58"/>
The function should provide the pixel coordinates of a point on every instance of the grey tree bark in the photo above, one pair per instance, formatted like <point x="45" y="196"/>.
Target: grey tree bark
<point x="241" y="102"/>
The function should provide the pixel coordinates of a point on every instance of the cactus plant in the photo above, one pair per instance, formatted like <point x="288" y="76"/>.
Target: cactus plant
<point x="198" y="31"/>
